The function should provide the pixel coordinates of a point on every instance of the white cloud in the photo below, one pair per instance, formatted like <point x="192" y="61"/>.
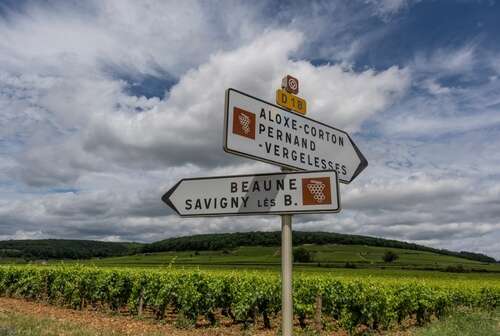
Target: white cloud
<point x="434" y="87"/>
<point x="192" y="115"/>
<point x="138" y="37"/>
<point x="428" y="125"/>
<point x="447" y="60"/>
<point x="448" y="111"/>
<point x="105" y="142"/>
<point x="385" y="9"/>
<point x="407" y="193"/>
<point x="68" y="120"/>
<point x="187" y="125"/>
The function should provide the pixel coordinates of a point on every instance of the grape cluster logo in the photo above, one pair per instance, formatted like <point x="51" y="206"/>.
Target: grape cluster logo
<point x="316" y="191"/>
<point x="244" y="123"/>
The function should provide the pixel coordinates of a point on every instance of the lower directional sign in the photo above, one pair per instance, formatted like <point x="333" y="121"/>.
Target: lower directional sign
<point x="280" y="193"/>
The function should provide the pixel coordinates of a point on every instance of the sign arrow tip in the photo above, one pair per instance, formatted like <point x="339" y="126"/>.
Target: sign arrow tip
<point x="363" y="161"/>
<point x="166" y="198"/>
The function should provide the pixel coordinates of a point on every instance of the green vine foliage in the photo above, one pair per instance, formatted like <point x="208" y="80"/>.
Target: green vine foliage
<point x="244" y="296"/>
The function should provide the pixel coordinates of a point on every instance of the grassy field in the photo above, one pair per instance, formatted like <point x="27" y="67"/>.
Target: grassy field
<point x="324" y="257"/>
<point x="14" y="324"/>
<point x="464" y="322"/>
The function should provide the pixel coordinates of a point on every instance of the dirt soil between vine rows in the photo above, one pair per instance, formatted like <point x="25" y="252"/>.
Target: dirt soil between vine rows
<point x="123" y="324"/>
<point x="117" y="323"/>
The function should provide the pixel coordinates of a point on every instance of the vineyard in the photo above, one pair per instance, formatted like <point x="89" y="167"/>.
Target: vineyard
<point x="246" y="297"/>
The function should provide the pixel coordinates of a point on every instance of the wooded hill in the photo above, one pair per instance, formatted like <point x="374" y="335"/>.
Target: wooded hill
<point x="232" y="240"/>
<point x="84" y="249"/>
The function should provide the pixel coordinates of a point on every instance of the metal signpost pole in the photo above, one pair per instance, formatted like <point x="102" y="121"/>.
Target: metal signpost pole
<point x="286" y="273"/>
<point x="286" y="242"/>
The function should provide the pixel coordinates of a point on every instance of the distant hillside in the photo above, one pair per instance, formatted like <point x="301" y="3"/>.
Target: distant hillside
<point x="233" y="240"/>
<point x="85" y="249"/>
<point x="64" y="249"/>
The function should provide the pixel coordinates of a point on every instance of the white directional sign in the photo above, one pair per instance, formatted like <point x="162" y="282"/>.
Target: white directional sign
<point x="279" y="193"/>
<point x="266" y="132"/>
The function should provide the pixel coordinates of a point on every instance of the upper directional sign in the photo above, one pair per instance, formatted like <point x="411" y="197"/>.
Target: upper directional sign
<point x="279" y="193"/>
<point x="266" y="132"/>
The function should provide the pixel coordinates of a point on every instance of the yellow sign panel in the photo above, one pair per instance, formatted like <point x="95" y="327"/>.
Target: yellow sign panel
<point x="291" y="101"/>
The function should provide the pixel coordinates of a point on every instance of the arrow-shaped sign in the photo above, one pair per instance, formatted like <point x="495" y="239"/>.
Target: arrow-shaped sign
<point x="263" y="131"/>
<point x="279" y="193"/>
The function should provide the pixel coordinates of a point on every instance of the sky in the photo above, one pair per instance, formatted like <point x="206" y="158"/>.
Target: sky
<point x="105" y="105"/>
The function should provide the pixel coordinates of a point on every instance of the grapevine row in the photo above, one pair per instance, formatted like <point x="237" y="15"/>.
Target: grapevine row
<point x="243" y="295"/>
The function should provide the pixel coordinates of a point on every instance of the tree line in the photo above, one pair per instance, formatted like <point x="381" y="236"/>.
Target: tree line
<point x="64" y="249"/>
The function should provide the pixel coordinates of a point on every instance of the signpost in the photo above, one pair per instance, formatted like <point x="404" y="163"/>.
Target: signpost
<point x="260" y="194"/>
<point x="259" y="130"/>
<point x="263" y="131"/>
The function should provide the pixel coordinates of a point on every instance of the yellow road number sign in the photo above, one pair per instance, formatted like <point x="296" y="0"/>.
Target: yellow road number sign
<point x="291" y="101"/>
